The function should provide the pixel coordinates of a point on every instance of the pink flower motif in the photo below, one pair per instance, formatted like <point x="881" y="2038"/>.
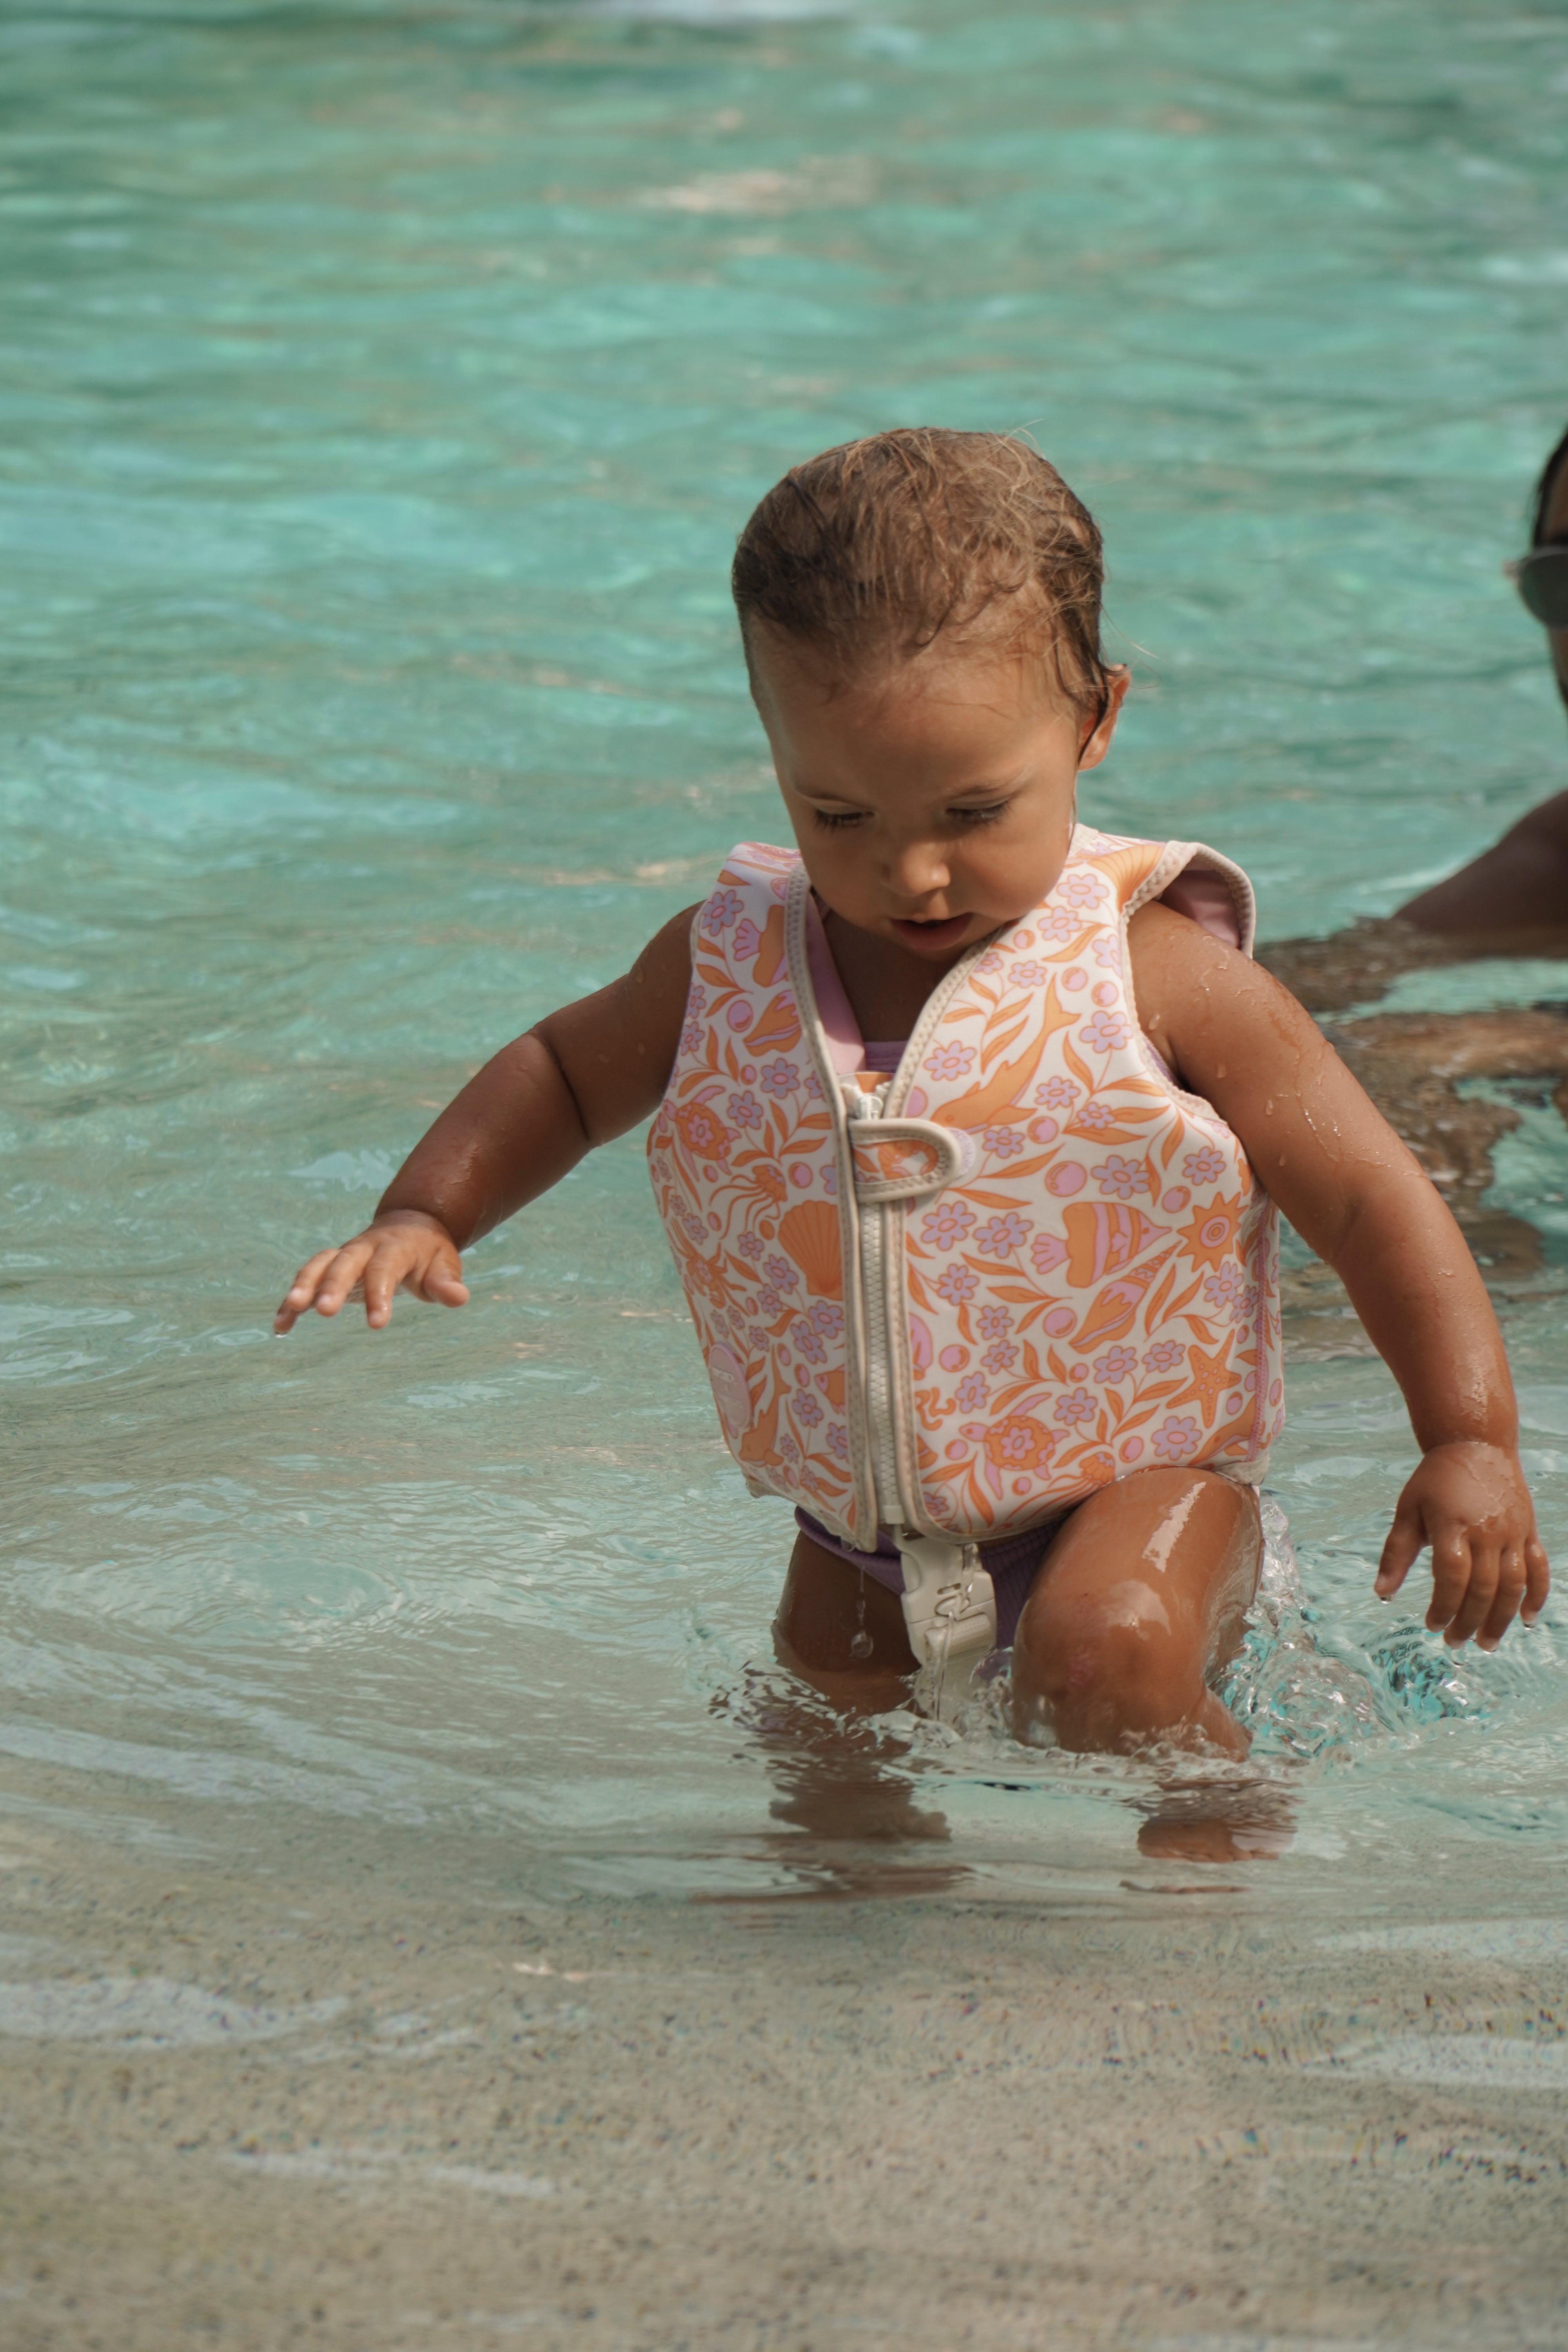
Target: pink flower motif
<point x="779" y="1076"/>
<point x="812" y="1085"/>
<point x="757" y="1336"/>
<point x="1047" y="1252"/>
<point x="1029" y="974"/>
<point x="971" y="1392"/>
<point x="1178" y="1433"/>
<point x="1002" y="1142"/>
<point x="691" y="1038"/>
<point x="1204" y="1166"/>
<point x="1078" y="1407"/>
<point x="942" y="1228"/>
<point x="697" y="1001"/>
<point x="768" y="1301"/>
<point x="1221" y="1287"/>
<point x="949" y="1060"/>
<point x="781" y="1273"/>
<point x="745" y="1110"/>
<point x="750" y="1246"/>
<point x="1108" y="952"/>
<point x="1082" y="890"/>
<point x="958" y="1283"/>
<point x="746" y="941"/>
<point x="996" y="1322"/>
<point x="839" y="1441"/>
<point x="1058" y="925"/>
<point x="702" y="1133"/>
<point x="1096" y="1114"/>
<point x="1018" y="1443"/>
<point x="1106" y="1032"/>
<point x="723" y="908"/>
<point x="827" y="1318"/>
<point x="1122" y="1177"/>
<point x="829" y="1182"/>
<point x="788" y="1450"/>
<point x="1001" y="1358"/>
<point x="1163" y="1356"/>
<point x="807" y="1340"/>
<point x="1116" y="1364"/>
<point x="1056" y="1094"/>
<point x="1000" y="1236"/>
<point x="808" y="1411"/>
<point x="989" y="962"/>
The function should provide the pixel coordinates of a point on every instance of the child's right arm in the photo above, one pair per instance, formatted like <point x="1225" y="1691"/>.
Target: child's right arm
<point x="581" y="1077"/>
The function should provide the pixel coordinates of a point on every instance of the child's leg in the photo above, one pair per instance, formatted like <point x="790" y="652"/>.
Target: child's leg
<point x="843" y="1631"/>
<point x="1140" y="1598"/>
<point x="835" y="1781"/>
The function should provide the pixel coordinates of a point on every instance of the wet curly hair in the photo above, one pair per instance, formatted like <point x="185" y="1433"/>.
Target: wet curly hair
<point x="867" y="553"/>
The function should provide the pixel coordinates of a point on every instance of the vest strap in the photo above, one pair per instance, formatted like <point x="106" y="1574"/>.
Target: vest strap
<point x="883" y="1148"/>
<point x="950" y="1604"/>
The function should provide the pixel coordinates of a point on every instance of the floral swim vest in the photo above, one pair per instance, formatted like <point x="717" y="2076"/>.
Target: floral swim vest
<point x="1028" y="1265"/>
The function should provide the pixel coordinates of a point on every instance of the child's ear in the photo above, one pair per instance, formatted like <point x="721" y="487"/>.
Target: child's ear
<point x="1097" y="742"/>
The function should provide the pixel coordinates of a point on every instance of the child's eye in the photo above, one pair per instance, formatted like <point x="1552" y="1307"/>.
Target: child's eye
<point x="830" y="822"/>
<point x="971" y="817"/>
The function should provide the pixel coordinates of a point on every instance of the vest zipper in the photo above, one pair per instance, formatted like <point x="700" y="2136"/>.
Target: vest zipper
<point x="875" y="1308"/>
<point x="950" y="1606"/>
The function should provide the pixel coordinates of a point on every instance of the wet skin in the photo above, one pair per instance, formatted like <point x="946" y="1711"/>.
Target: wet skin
<point x="1521" y="884"/>
<point x="1138" y="1604"/>
<point x="1139" y="1600"/>
<point x="932" y="803"/>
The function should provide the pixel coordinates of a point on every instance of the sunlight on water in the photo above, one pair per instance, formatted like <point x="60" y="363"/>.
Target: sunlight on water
<point x="375" y="686"/>
<point x="408" y="1837"/>
<point x="384" y="394"/>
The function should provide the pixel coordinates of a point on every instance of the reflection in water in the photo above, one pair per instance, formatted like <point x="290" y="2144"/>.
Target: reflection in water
<point x="838" y="1747"/>
<point x="839" y="1786"/>
<point x="1247" y="1820"/>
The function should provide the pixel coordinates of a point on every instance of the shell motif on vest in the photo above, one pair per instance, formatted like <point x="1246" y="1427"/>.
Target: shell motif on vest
<point x="1040" y="1267"/>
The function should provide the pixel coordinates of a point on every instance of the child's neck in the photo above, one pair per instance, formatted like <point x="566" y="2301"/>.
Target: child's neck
<point x="887" y="985"/>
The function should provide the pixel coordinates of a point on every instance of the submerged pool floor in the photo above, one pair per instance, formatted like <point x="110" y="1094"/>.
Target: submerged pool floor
<point x="416" y="2108"/>
<point x="430" y="1916"/>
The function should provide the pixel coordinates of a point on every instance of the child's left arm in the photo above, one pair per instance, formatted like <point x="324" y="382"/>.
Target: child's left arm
<point x="1358" y="1197"/>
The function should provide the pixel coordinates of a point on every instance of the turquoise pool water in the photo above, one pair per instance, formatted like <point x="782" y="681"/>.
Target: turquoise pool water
<point x="383" y="390"/>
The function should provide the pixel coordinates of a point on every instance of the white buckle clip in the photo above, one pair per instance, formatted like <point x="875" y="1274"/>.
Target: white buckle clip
<point x="950" y="1605"/>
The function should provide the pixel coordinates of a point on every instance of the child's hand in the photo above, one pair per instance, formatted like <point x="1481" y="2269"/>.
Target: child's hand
<point x="1470" y="1503"/>
<point x="403" y="1250"/>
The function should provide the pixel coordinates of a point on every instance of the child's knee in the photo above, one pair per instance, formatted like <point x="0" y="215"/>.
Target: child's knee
<point x="1119" y="1659"/>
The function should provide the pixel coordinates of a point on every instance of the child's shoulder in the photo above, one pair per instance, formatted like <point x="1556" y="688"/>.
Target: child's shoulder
<point x="1200" y="996"/>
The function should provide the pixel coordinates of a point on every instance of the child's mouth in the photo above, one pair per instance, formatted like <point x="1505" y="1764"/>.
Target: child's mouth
<point x="931" y="938"/>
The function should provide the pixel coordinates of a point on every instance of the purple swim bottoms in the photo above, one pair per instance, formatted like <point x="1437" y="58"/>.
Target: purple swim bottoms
<point x="1012" y="1565"/>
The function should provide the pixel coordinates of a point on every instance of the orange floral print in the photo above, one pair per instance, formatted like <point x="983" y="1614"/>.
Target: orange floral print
<point x="1096" y="1293"/>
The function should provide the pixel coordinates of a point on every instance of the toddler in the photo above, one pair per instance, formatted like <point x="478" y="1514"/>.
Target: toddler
<point x="971" y="1127"/>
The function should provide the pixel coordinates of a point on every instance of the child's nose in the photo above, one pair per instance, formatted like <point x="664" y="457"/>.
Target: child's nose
<point x="919" y="869"/>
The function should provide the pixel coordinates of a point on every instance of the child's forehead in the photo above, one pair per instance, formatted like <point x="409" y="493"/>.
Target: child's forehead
<point x="1016" y="668"/>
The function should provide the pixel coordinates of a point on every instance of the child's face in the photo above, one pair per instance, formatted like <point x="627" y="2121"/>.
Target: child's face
<point x="934" y="802"/>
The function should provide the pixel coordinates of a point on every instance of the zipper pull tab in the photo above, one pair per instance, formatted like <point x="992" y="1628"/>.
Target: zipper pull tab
<point x="857" y="1103"/>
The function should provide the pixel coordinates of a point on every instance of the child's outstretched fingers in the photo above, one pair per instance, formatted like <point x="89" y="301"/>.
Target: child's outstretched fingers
<point x="1406" y="1538"/>
<point x="1537" y="1578"/>
<point x="322" y="1282"/>
<point x="1512" y="1583"/>
<point x="428" y="1265"/>
<point x="1464" y="1586"/>
<point x="406" y="1250"/>
<point x="1470" y="1500"/>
